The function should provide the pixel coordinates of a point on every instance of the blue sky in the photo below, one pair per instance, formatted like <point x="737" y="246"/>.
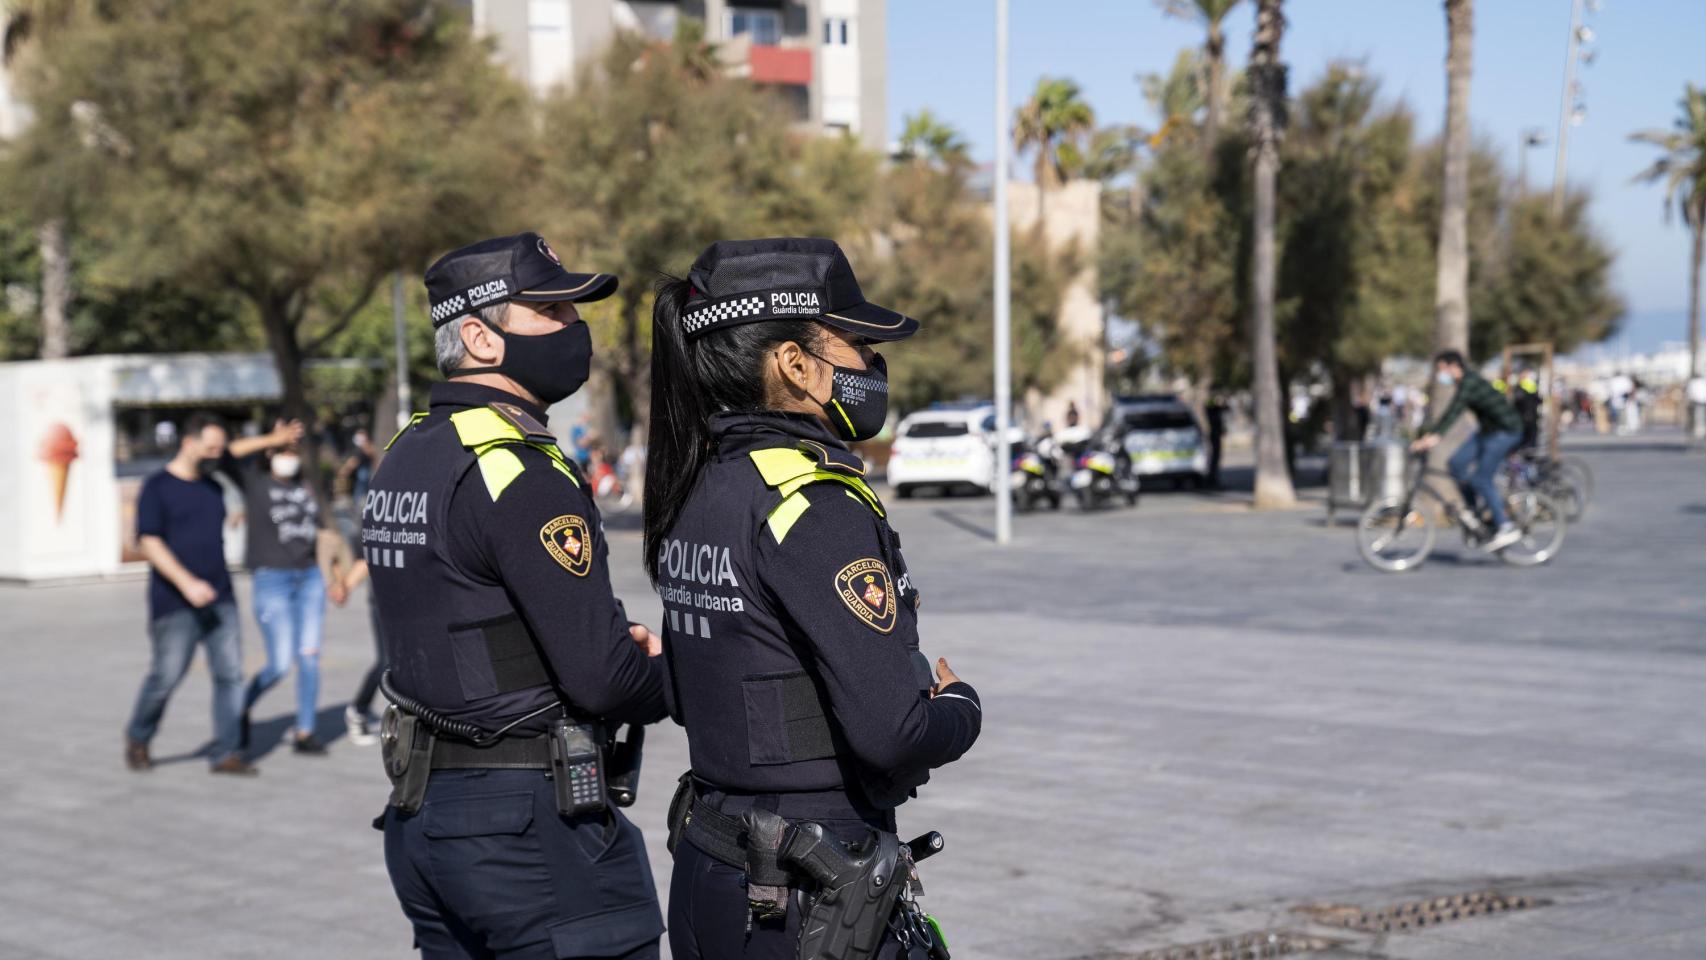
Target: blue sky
<point x="941" y="56"/>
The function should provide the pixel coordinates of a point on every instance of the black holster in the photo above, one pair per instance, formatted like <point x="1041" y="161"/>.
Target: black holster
<point x="406" y="746"/>
<point x="847" y="915"/>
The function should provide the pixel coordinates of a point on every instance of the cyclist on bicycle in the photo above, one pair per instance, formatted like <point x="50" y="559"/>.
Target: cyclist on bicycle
<point x="1475" y="463"/>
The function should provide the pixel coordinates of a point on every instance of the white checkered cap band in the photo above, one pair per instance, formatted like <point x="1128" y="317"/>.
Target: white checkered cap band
<point x="449" y="309"/>
<point x="715" y="313"/>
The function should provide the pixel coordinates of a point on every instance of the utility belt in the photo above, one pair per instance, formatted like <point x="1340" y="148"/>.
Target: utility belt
<point x="855" y="895"/>
<point x="590" y="769"/>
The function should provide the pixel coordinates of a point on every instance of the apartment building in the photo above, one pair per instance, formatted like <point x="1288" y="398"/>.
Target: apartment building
<point x="826" y="58"/>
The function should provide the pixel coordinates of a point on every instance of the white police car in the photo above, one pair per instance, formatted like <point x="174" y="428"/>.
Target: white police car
<point x="948" y="446"/>
<point x="1163" y="438"/>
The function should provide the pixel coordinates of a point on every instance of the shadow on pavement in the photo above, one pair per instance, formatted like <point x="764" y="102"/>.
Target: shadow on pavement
<point x="268" y="735"/>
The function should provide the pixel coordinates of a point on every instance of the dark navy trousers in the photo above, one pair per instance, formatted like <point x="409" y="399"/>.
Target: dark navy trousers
<point x="488" y="869"/>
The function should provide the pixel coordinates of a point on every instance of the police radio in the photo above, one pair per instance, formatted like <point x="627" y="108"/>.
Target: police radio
<point x="577" y="767"/>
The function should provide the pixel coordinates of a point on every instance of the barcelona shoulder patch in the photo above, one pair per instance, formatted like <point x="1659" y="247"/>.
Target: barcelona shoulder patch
<point x="867" y="589"/>
<point x="567" y="541"/>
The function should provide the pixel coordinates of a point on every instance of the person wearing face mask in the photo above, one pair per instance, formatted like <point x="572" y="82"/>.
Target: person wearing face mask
<point x="284" y="528"/>
<point x="791" y="618"/>
<point x="511" y="662"/>
<point x="180" y="530"/>
<point x="1475" y="464"/>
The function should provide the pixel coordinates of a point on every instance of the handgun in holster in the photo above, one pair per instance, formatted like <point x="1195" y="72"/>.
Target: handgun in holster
<point x="406" y="747"/>
<point x="847" y="915"/>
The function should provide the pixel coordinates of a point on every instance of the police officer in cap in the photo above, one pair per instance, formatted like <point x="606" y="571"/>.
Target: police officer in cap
<point x="511" y="661"/>
<point x="791" y="619"/>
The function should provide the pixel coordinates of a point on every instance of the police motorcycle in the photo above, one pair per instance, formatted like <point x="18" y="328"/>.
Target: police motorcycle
<point x="1035" y="475"/>
<point x="1103" y="472"/>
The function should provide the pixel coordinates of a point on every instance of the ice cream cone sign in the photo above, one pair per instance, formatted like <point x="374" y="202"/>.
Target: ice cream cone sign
<point x="58" y="449"/>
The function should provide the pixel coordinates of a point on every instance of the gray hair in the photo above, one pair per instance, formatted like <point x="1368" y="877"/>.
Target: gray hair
<point x="447" y="341"/>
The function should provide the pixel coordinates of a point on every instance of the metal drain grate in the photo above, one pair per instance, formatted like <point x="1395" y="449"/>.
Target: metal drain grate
<point x="1248" y="946"/>
<point x="1418" y="914"/>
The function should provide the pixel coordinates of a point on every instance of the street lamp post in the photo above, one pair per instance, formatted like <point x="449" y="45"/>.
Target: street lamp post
<point x="1003" y="254"/>
<point x="1570" y="108"/>
<point x="400" y="331"/>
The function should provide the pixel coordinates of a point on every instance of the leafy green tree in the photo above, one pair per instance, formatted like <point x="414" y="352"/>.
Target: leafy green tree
<point x="1353" y="276"/>
<point x="1212" y="86"/>
<point x="1683" y="171"/>
<point x="924" y="135"/>
<point x="1052" y="125"/>
<point x="289" y="153"/>
<point x="650" y="159"/>
<point x="938" y="267"/>
<point x="1550" y="283"/>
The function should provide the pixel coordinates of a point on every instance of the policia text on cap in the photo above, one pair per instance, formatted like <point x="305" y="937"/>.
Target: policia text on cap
<point x="791" y="619"/>
<point x="511" y="661"/>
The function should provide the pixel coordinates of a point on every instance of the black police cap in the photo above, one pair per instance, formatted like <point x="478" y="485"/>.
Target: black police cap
<point x="522" y="267"/>
<point x="743" y="281"/>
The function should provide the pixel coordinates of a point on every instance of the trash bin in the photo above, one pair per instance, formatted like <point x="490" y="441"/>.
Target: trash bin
<point x="1386" y="469"/>
<point x="1345" y="478"/>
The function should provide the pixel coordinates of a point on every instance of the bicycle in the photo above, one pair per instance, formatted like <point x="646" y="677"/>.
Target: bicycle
<point x="1395" y="534"/>
<point x="1566" y="480"/>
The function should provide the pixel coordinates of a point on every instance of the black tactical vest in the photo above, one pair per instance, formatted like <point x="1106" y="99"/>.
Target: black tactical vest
<point x="454" y="642"/>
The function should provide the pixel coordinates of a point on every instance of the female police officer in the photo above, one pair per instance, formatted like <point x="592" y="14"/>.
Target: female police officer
<point x="791" y="621"/>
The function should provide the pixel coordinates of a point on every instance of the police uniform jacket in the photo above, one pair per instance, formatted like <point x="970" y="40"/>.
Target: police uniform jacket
<point x="791" y="627"/>
<point x="491" y="574"/>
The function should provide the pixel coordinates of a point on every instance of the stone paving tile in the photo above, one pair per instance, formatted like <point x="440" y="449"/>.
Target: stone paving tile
<point x="1197" y="719"/>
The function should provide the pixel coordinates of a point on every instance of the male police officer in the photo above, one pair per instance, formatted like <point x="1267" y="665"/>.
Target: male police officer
<point x="510" y="658"/>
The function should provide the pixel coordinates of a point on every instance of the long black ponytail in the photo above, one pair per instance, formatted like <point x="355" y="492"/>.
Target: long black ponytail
<point x="717" y="371"/>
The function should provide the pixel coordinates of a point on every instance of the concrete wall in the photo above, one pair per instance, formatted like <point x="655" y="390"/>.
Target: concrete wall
<point x="1070" y="214"/>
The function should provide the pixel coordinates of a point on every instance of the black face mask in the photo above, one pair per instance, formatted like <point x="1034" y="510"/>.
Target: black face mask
<point x="550" y="365"/>
<point x="206" y="466"/>
<point x="858" y="403"/>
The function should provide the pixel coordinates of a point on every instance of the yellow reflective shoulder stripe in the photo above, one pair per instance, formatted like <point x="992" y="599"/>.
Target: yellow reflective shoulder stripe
<point x="478" y="426"/>
<point x="782" y="519"/>
<point x="499" y="467"/>
<point x="778" y="465"/>
<point x="413" y="419"/>
<point x="853" y="483"/>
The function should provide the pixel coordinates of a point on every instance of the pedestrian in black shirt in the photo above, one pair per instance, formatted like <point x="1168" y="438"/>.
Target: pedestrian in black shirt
<point x="180" y="528"/>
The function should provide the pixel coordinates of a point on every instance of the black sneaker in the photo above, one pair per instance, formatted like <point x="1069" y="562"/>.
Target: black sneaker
<point x="360" y="726"/>
<point x="307" y="743"/>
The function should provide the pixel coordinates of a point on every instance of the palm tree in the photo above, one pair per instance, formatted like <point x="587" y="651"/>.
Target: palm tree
<point x="925" y="135"/>
<point x="1267" y="111"/>
<point x="1210" y="14"/>
<point x="23" y="24"/>
<point x="1051" y="123"/>
<point x="1451" y="282"/>
<point x="1683" y="170"/>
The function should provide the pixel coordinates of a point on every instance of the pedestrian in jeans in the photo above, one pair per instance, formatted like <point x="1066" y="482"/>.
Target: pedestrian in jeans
<point x="1477" y="462"/>
<point x="290" y="588"/>
<point x="180" y="524"/>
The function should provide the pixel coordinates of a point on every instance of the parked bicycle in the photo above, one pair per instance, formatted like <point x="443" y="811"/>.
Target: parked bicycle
<point x="1396" y="534"/>
<point x="1566" y="480"/>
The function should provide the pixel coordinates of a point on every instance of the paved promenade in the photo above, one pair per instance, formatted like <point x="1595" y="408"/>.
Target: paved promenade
<point x="1200" y="723"/>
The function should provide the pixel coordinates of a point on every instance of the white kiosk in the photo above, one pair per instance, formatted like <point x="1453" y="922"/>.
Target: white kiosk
<point x="73" y="457"/>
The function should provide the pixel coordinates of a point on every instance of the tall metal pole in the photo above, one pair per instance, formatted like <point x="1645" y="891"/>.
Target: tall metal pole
<point x="1565" y="102"/>
<point x="1003" y="255"/>
<point x="399" y="330"/>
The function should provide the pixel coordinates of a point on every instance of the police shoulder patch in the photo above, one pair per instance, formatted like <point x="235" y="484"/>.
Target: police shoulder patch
<point x="568" y="542"/>
<point x="867" y="589"/>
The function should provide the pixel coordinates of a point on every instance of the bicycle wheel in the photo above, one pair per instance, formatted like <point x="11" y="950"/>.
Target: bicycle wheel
<point x="1393" y="539"/>
<point x="1566" y="490"/>
<point x="1542" y="522"/>
<point x="1577" y="469"/>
